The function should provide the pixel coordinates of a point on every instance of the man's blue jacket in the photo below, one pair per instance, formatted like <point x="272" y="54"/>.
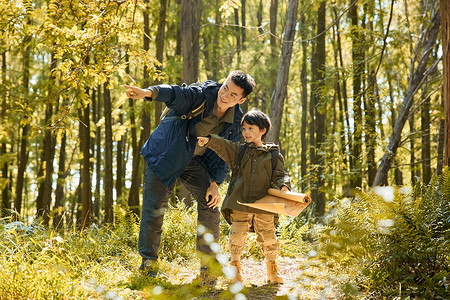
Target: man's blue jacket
<point x="170" y="147"/>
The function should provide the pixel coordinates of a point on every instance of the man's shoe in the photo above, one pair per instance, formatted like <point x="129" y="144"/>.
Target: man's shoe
<point x="206" y="278"/>
<point x="150" y="268"/>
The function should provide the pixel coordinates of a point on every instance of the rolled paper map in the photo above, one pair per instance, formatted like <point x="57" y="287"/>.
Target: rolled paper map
<point x="284" y="203"/>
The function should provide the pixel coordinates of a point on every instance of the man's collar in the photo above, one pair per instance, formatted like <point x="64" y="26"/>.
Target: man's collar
<point x="228" y="116"/>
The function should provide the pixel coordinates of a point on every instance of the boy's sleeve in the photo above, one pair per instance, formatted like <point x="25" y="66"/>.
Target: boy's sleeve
<point x="280" y="177"/>
<point x="225" y="149"/>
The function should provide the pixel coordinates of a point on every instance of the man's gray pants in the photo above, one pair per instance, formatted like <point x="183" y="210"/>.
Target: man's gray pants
<point x="156" y="195"/>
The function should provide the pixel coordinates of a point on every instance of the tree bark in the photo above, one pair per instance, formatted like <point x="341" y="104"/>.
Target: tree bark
<point x="243" y="23"/>
<point x="23" y="151"/>
<point x="304" y="98"/>
<point x="160" y="52"/>
<point x="273" y="44"/>
<point x="190" y="33"/>
<point x="59" y="191"/>
<point x="279" y="94"/>
<point x="133" y="194"/>
<point x="317" y="193"/>
<point x="416" y="79"/>
<point x="358" y="68"/>
<point x="6" y="189"/>
<point x="370" y="128"/>
<point x="426" y="141"/>
<point x="412" y="147"/>
<point x="49" y="147"/>
<point x="440" y="160"/>
<point x="98" y="154"/>
<point x="85" y="180"/>
<point x="445" y="33"/>
<point x="348" y="145"/>
<point x="108" y="147"/>
<point x="237" y="31"/>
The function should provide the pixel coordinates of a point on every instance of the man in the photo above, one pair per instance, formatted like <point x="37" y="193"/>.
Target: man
<point x="172" y="153"/>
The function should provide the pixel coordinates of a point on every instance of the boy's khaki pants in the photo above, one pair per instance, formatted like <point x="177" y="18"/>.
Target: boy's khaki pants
<point x="264" y="228"/>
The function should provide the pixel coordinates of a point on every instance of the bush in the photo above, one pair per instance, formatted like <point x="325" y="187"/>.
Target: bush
<point x="178" y="239"/>
<point x="393" y="242"/>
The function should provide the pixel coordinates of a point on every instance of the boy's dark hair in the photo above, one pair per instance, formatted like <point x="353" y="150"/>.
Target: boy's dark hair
<point x="244" y="81"/>
<point x="259" y="119"/>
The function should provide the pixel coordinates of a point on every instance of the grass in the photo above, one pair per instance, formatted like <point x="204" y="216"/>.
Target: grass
<point x="355" y="254"/>
<point x="102" y="262"/>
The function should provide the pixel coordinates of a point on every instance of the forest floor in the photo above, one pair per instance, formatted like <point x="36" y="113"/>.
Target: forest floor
<point x="302" y="280"/>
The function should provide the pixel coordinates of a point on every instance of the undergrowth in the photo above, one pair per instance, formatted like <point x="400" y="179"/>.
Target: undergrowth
<point x="102" y="261"/>
<point x="385" y="243"/>
<point x="391" y="242"/>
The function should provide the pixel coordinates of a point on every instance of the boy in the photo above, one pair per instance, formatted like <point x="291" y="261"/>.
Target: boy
<point x="250" y="180"/>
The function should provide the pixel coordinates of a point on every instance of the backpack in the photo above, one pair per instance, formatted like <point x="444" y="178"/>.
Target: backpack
<point x="192" y="114"/>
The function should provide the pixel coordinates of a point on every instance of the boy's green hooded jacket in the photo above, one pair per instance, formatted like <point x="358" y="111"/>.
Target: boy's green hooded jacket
<point x="254" y="175"/>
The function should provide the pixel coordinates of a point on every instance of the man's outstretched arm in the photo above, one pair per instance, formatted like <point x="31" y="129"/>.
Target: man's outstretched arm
<point x="134" y="92"/>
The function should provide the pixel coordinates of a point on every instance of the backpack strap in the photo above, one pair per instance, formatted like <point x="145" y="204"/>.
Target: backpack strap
<point x="274" y="156"/>
<point x="242" y="147"/>
<point x="190" y="115"/>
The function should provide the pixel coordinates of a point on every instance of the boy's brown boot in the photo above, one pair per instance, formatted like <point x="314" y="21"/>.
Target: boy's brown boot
<point x="237" y="265"/>
<point x="272" y="273"/>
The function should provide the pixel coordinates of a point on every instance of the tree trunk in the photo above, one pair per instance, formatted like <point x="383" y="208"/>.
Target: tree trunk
<point x="279" y="94"/>
<point x="416" y="79"/>
<point x="440" y="160"/>
<point x="370" y="98"/>
<point x="304" y="97"/>
<point x="237" y="31"/>
<point x="160" y="52"/>
<point x="426" y="141"/>
<point x="133" y="194"/>
<point x="259" y="17"/>
<point x="85" y="193"/>
<point x="348" y="145"/>
<point x="98" y="154"/>
<point x="190" y="33"/>
<point x="273" y="44"/>
<point x="445" y="33"/>
<point x="120" y="174"/>
<point x="108" y="147"/>
<point x="49" y="147"/>
<point x="412" y="150"/>
<point x="58" y="220"/>
<point x="23" y="151"/>
<point x="358" y="68"/>
<point x="370" y="127"/>
<point x="6" y="189"/>
<point x="179" y="44"/>
<point x="243" y="36"/>
<point x="317" y="193"/>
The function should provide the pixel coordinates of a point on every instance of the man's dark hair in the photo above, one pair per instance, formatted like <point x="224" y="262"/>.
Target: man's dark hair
<point x="259" y="119"/>
<point x="244" y="81"/>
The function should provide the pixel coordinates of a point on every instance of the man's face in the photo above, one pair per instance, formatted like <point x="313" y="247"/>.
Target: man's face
<point x="229" y="95"/>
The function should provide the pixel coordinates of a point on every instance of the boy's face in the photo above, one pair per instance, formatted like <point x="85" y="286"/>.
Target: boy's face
<point x="229" y="95"/>
<point x="252" y="134"/>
